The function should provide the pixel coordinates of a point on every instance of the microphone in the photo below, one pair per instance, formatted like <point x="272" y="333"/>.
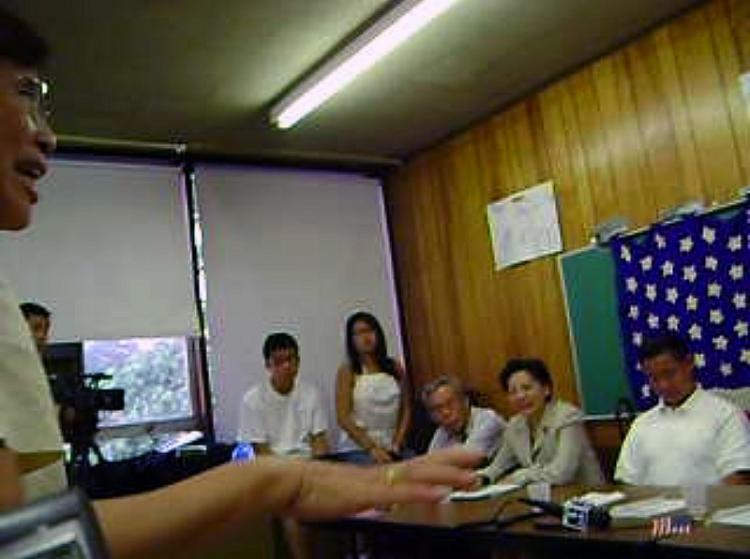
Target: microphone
<point x="575" y="513"/>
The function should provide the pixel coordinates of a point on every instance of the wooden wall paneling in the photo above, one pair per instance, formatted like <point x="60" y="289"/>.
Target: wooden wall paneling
<point x="729" y="58"/>
<point x="659" y="122"/>
<point x="709" y="119"/>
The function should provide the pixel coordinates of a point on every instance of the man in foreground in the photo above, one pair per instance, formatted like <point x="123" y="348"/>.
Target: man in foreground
<point x="197" y="511"/>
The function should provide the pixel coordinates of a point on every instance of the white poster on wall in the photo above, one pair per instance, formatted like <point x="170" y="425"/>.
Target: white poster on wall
<point x="524" y="226"/>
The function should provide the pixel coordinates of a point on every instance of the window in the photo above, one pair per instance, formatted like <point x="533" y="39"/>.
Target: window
<point x="155" y="374"/>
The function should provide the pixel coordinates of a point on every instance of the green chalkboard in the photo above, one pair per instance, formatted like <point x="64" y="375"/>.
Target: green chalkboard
<point x="588" y="281"/>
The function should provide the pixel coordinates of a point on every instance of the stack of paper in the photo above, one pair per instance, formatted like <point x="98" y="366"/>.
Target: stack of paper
<point x="640" y="513"/>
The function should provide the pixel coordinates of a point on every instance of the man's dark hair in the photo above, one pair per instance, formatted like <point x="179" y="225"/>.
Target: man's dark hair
<point x="34" y="309"/>
<point x="672" y="344"/>
<point x="20" y="43"/>
<point x="535" y="367"/>
<point x="279" y="341"/>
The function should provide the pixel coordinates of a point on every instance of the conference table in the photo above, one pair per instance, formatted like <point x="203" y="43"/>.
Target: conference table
<point x="500" y="527"/>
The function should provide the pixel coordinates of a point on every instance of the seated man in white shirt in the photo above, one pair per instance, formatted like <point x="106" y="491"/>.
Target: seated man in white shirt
<point x="282" y="415"/>
<point x="691" y="437"/>
<point x="460" y="423"/>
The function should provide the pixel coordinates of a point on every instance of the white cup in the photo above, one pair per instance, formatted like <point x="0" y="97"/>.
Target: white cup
<point x="696" y="500"/>
<point x="539" y="491"/>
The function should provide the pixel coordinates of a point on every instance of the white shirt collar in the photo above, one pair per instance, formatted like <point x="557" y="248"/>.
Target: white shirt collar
<point x="685" y="406"/>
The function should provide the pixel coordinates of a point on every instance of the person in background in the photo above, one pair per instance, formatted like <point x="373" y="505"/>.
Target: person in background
<point x="282" y="415"/>
<point x="11" y="490"/>
<point x="545" y="441"/>
<point x="460" y="423"/>
<point x="197" y="512"/>
<point x="691" y="437"/>
<point x="64" y="387"/>
<point x="373" y="396"/>
<point x="39" y="320"/>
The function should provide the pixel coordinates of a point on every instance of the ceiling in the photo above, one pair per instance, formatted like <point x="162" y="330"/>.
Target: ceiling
<point x="205" y="73"/>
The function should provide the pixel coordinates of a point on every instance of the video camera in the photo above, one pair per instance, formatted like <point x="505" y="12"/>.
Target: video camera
<point x="82" y="393"/>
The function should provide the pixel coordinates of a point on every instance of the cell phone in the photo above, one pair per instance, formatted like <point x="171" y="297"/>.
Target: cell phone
<point x="63" y="527"/>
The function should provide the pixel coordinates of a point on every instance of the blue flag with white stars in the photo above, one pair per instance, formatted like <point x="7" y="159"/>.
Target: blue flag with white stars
<point x="690" y="278"/>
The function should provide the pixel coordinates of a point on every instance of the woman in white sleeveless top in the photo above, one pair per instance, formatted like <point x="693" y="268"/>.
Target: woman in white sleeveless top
<point x="373" y="407"/>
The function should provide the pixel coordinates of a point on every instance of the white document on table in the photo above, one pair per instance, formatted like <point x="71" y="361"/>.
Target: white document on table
<point x="648" y="508"/>
<point x="487" y="492"/>
<point x="736" y="516"/>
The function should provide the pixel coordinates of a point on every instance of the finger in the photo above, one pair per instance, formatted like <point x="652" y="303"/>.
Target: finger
<point x="410" y="492"/>
<point x="438" y="474"/>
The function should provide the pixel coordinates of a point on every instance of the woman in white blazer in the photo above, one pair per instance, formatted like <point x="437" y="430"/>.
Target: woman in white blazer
<point x="545" y="440"/>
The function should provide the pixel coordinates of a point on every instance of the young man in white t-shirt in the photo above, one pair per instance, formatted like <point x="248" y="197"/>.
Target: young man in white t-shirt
<point x="691" y="437"/>
<point x="285" y="417"/>
<point x="282" y="415"/>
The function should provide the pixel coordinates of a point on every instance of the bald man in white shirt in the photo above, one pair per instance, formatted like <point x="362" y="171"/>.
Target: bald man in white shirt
<point x="691" y="437"/>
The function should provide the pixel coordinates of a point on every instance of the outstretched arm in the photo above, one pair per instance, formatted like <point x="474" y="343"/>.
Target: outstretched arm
<point x="203" y="509"/>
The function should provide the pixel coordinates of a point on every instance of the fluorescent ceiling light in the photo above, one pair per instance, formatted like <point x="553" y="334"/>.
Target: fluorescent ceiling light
<point x="380" y="39"/>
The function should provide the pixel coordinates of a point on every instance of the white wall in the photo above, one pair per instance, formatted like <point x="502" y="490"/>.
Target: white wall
<point x="108" y="252"/>
<point x="294" y="251"/>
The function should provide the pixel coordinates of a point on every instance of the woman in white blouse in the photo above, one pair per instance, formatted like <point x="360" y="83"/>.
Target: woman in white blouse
<point x="546" y="439"/>
<point x="373" y="406"/>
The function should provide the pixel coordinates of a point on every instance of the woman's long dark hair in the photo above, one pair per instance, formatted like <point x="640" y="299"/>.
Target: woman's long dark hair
<point x="385" y="363"/>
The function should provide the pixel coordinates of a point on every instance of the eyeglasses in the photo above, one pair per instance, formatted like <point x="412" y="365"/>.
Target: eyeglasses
<point x="36" y="92"/>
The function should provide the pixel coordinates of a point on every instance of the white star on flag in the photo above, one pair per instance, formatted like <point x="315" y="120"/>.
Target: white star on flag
<point x="653" y="321"/>
<point x="736" y="272"/>
<point x="661" y="242"/>
<point x="667" y="269"/>
<point x="673" y="323"/>
<point x="711" y="263"/>
<point x="720" y="343"/>
<point x="646" y="391"/>
<point x="651" y="291"/>
<point x="625" y="253"/>
<point x="631" y="284"/>
<point x="739" y="301"/>
<point x="647" y="263"/>
<point x="741" y="328"/>
<point x="714" y="289"/>
<point x="700" y="360"/>
<point x="691" y="303"/>
<point x="726" y="369"/>
<point x="695" y="332"/>
<point x="709" y="235"/>
<point x="716" y="316"/>
<point x="735" y="243"/>
<point x="686" y="244"/>
<point x="689" y="273"/>
<point x="745" y="356"/>
<point x="637" y="338"/>
<point x="672" y="295"/>
<point x="634" y="312"/>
